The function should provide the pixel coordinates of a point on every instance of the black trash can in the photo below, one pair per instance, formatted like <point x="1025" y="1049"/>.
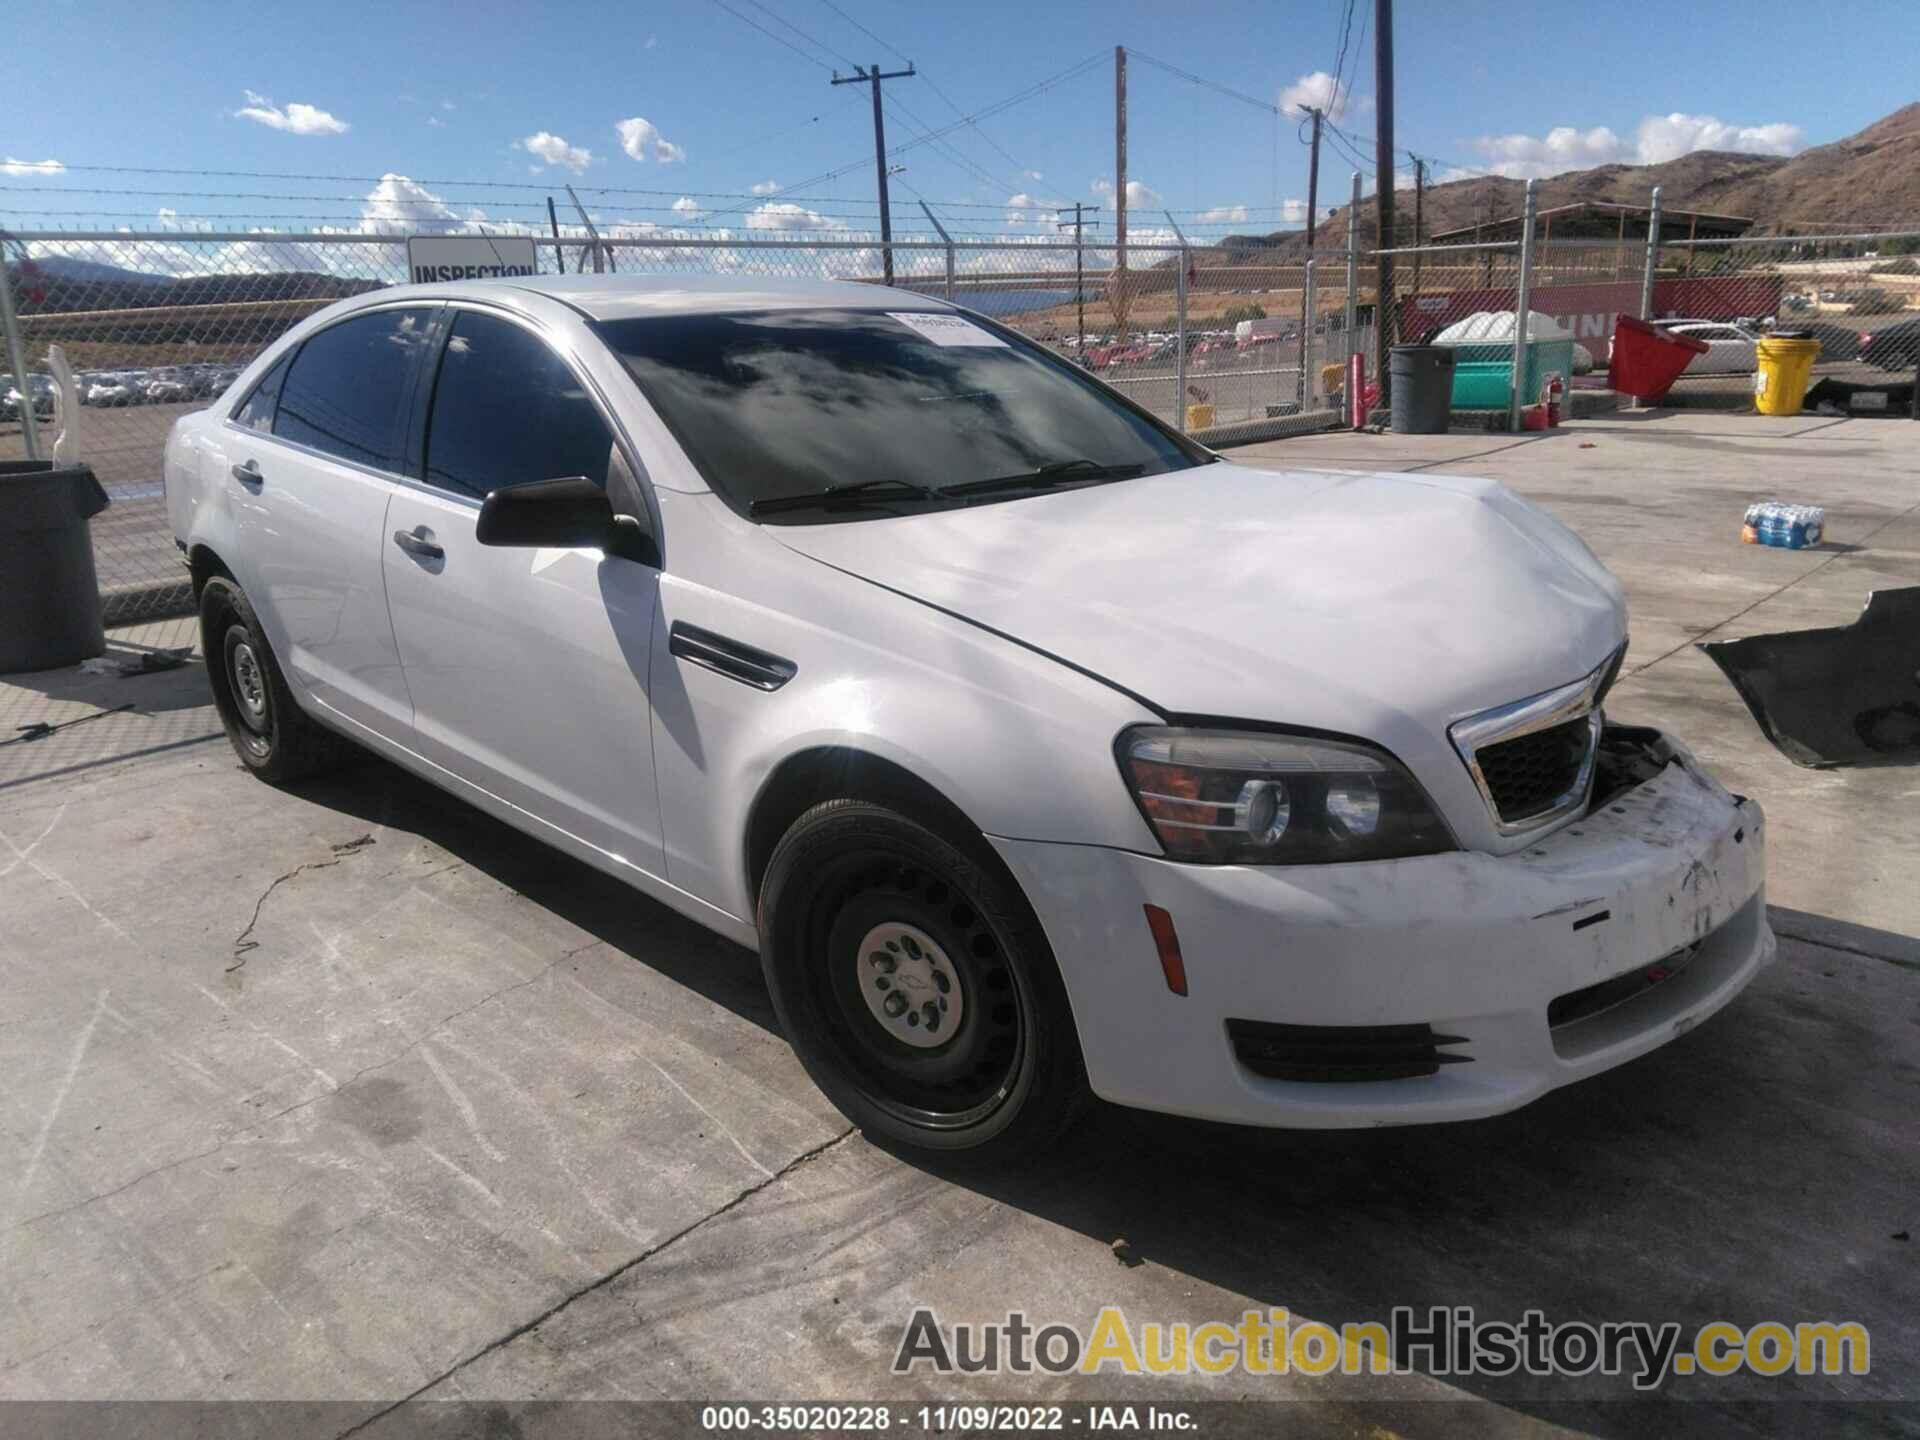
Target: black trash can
<point x="49" y="594"/>
<point x="1422" y="388"/>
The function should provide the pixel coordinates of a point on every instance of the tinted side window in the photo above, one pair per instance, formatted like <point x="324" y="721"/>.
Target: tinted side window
<point x="347" y="391"/>
<point x="257" y="412"/>
<point x="508" y="411"/>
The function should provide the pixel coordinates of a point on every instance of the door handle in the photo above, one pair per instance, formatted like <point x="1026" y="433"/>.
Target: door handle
<point x="248" y="473"/>
<point x="418" y="543"/>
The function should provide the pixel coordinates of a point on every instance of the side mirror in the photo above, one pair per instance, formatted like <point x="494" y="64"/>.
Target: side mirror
<point x="566" y="514"/>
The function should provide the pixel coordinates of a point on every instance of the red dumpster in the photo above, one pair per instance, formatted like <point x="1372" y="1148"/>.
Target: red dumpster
<point x="1646" y="360"/>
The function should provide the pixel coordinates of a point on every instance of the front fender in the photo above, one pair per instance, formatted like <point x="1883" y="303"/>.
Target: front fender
<point x="1019" y="743"/>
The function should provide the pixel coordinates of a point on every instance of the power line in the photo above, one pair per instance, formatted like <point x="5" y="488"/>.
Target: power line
<point x="818" y="45"/>
<point x="1340" y="60"/>
<point x="777" y="39"/>
<point x="1019" y="165"/>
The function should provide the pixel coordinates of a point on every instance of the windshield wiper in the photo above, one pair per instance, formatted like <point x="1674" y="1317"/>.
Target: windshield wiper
<point x="878" y="491"/>
<point x="1054" y="472"/>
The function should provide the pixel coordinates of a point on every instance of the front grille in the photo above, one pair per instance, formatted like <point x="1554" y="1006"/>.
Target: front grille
<point x="1328" y="1054"/>
<point x="1530" y="774"/>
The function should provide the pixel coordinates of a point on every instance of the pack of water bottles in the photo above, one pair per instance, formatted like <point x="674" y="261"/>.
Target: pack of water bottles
<point x="1788" y="527"/>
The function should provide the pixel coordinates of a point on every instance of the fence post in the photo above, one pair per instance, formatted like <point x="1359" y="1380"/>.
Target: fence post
<point x="1653" y="252"/>
<point x="1522" y="300"/>
<point x="1304" y="390"/>
<point x="1352" y="269"/>
<point x="946" y="240"/>
<point x="1180" y="328"/>
<point x="29" y="423"/>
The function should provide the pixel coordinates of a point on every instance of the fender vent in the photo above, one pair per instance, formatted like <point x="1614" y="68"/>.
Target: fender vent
<point x="727" y="657"/>
<point x="1333" y="1054"/>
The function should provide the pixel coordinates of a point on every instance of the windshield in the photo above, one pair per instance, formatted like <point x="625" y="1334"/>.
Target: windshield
<point x="775" y="405"/>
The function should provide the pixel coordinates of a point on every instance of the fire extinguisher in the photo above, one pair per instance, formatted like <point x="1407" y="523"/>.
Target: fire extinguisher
<point x="1550" y="395"/>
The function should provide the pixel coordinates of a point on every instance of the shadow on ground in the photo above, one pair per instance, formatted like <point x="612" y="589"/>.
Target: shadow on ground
<point x="1746" y="1172"/>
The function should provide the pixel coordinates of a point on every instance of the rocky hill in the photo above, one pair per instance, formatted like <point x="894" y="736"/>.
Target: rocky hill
<point x="1868" y="181"/>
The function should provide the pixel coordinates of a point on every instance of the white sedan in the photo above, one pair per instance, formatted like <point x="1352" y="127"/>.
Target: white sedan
<point x="1039" y="751"/>
<point x="1730" y="348"/>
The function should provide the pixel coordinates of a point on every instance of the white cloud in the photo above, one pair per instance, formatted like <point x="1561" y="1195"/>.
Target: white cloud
<point x="1139" y="195"/>
<point x="1033" y="175"/>
<point x="434" y="122"/>
<point x="448" y="105"/>
<point x="1022" y="209"/>
<point x="1658" y="138"/>
<point x="653" y="42"/>
<point x="784" y="215"/>
<point x="688" y="207"/>
<point x="551" y="149"/>
<point x="642" y="140"/>
<point x="1667" y="137"/>
<point x="400" y="206"/>
<point x="11" y="166"/>
<point x="1222" y="215"/>
<point x="765" y="187"/>
<point x="1315" y="91"/>
<point x="295" y="119"/>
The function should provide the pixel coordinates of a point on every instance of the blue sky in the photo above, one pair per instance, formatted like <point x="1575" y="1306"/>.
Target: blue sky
<point x="536" y="95"/>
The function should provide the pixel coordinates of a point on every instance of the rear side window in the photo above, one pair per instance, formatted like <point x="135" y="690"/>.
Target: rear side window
<point x="508" y="411"/>
<point x="257" y="412"/>
<point x="346" y="392"/>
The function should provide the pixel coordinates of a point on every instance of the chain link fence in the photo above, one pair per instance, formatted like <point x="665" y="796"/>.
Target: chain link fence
<point x="156" y="325"/>
<point x="1859" y="296"/>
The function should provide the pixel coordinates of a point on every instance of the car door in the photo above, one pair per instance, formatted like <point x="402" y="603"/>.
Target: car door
<point x="311" y="457"/>
<point x="527" y="667"/>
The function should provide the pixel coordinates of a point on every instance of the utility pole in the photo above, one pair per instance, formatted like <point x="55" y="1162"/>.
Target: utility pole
<point x="1120" y="166"/>
<point x="1419" y="218"/>
<point x="1383" y="306"/>
<point x="872" y="76"/>
<point x="1313" y="178"/>
<point x="1079" y="269"/>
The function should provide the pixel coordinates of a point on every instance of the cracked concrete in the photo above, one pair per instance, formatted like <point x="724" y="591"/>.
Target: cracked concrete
<point x="472" y="1123"/>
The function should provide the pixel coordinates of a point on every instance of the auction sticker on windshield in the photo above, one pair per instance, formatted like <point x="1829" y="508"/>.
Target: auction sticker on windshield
<point x="948" y="330"/>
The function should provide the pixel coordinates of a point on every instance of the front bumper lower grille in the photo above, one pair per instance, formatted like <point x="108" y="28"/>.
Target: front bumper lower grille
<point x="1331" y="1054"/>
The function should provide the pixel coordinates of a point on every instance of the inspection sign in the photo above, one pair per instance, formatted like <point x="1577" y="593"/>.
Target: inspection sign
<point x="468" y="257"/>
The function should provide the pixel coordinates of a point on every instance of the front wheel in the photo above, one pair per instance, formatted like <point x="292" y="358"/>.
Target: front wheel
<point x="915" y="985"/>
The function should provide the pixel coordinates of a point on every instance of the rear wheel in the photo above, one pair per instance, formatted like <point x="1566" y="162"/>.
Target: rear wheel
<point x="269" y="733"/>
<point x="915" y="985"/>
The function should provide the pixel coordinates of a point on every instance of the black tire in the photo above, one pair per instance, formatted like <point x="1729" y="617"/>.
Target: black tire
<point x="269" y="733"/>
<point x="852" y="880"/>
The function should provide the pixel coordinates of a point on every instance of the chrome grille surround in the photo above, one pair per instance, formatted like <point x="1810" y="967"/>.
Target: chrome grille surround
<point x="1549" y="708"/>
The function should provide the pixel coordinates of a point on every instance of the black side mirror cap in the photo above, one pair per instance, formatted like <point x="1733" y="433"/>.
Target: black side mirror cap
<point x="568" y="513"/>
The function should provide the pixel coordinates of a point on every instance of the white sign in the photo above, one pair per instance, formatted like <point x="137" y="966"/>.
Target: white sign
<point x="949" y="329"/>
<point x="432" y="258"/>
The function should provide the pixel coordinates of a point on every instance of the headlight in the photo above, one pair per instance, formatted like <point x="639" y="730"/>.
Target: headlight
<point x="1243" y="797"/>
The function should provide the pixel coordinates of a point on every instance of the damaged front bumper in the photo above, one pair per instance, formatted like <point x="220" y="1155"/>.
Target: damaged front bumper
<point x="1443" y="987"/>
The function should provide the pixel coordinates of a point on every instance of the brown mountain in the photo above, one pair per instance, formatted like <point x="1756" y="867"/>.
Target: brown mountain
<point x="1868" y="181"/>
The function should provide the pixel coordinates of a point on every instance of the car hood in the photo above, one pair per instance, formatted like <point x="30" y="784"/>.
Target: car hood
<point x="1387" y="606"/>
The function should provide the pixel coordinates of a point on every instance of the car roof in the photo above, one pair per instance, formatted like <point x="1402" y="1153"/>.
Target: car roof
<point x="620" y="297"/>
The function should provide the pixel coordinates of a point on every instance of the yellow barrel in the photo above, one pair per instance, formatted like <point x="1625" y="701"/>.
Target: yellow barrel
<point x="1199" y="417"/>
<point x="1786" y="364"/>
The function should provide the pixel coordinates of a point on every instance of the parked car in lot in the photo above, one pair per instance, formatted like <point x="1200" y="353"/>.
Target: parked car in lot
<point x="1037" y="749"/>
<point x="1892" y="347"/>
<point x="113" y="389"/>
<point x="39" y="387"/>
<point x="1730" y="347"/>
<point x="170" y="386"/>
